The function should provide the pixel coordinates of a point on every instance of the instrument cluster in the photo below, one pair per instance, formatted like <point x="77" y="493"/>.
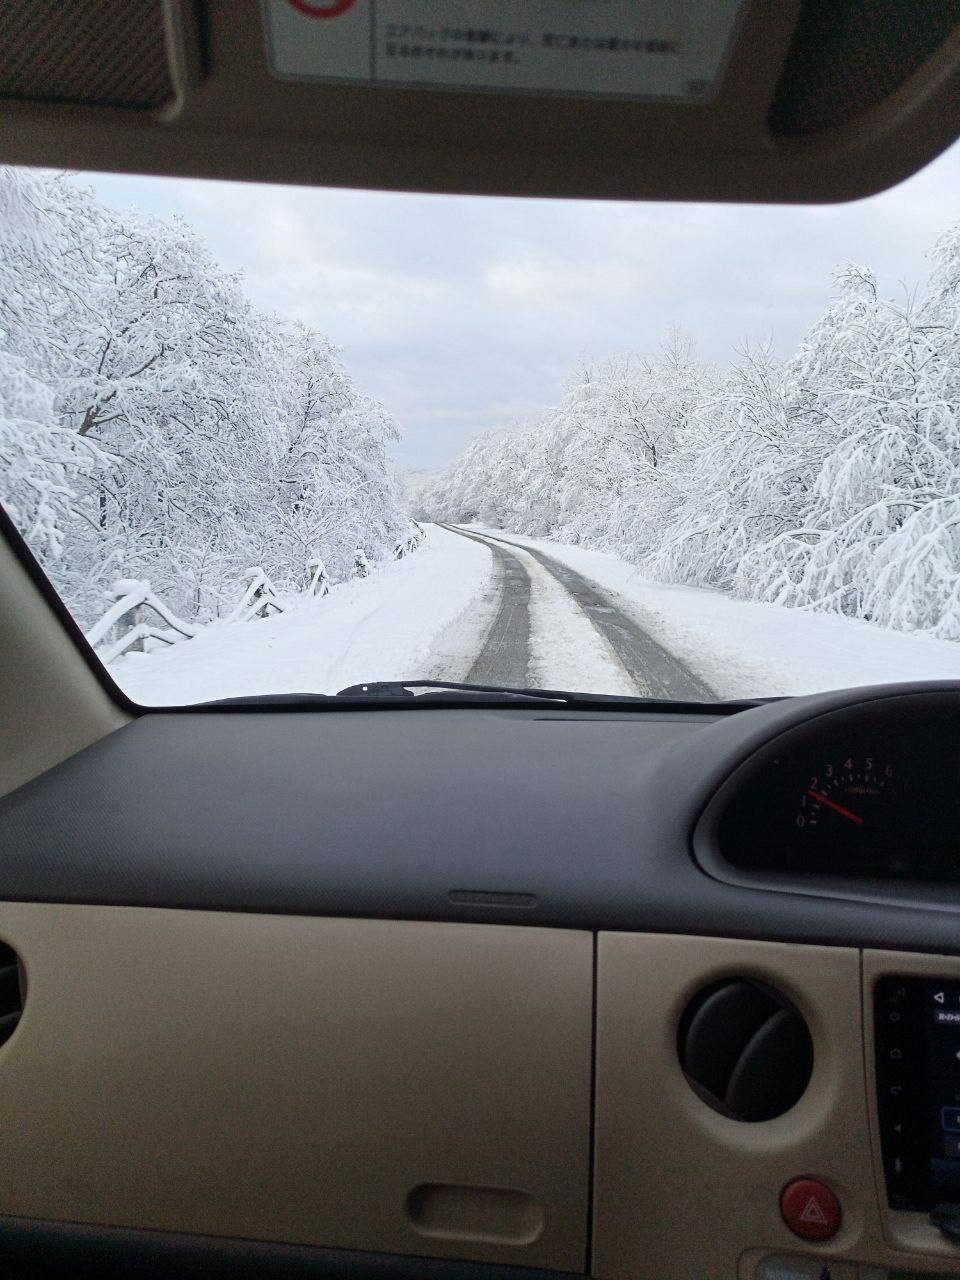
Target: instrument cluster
<point x="870" y="791"/>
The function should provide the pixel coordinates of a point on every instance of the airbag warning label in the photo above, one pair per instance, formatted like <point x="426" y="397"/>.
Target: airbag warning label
<point x="597" y="48"/>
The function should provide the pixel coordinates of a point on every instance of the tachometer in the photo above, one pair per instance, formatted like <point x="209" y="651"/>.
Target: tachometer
<point x="853" y="793"/>
<point x="868" y="792"/>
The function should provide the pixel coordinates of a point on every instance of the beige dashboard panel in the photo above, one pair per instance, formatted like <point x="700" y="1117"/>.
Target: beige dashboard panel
<point x="681" y="1191"/>
<point x="398" y="1087"/>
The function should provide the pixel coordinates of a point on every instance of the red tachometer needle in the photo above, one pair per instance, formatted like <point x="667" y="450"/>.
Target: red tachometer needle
<point x="837" y="808"/>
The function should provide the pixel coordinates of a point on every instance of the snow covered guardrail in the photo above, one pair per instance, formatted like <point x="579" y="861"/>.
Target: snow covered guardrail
<point x="131" y="599"/>
<point x="410" y="541"/>
<point x="134" y="600"/>
<point x="259" y="599"/>
<point x="319" y="578"/>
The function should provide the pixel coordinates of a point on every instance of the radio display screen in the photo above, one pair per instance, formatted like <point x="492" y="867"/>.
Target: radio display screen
<point x="918" y="1089"/>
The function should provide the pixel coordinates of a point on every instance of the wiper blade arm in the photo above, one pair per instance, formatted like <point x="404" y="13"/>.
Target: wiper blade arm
<point x="400" y="690"/>
<point x="450" y="691"/>
<point x="269" y="700"/>
<point x="453" y="691"/>
<point x="407" y="692"/>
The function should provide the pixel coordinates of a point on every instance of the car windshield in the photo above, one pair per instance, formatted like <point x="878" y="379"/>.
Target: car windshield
<point x="269" y="440"/>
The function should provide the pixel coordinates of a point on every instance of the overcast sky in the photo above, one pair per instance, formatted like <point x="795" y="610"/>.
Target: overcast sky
<point x="461" y="313"/>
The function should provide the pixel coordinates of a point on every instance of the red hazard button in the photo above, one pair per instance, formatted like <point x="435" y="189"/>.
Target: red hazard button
<point x="810" y="1209"/>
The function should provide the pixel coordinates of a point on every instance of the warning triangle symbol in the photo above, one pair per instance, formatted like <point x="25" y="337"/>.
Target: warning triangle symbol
<point x="813" y="1213"/>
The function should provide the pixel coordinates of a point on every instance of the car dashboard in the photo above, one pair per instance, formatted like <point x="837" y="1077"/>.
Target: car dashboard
<point x="617" y="992"/>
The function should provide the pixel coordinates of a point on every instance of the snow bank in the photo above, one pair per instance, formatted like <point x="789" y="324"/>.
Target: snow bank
<point x="378" y="628"/>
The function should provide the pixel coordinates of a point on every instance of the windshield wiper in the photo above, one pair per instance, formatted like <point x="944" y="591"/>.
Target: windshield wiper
<point x="402" y="691"/>
<point x="450" y="691"/>
<point x="407" y="692"/>
<point x="453" y="691"/>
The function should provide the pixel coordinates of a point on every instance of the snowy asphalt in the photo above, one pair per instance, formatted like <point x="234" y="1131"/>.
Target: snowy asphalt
<point x="504" y="658"/>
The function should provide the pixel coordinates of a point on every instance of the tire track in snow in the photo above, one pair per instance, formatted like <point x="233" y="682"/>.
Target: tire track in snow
<point x="554" y="643"/>
<point x="654" y="671"/>
<point x="504" y="657"/>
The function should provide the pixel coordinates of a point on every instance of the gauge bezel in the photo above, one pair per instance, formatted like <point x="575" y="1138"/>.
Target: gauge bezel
<point x="829" y="726"/>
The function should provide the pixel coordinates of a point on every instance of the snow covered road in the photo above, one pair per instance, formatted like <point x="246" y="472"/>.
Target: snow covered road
<point x="492" y="608"/>
<point x="505" y="656"/>
<point x="633" y="661"/>
<point x="745" y="649"/>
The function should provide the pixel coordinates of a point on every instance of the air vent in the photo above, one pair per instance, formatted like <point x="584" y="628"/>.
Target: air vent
<point x="11" y="991"/>
<point x="745" y="1050"/>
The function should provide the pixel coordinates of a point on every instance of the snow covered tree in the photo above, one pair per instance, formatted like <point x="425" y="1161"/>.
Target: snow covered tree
<point x="39" y="458"/>
<point x="878" y="533"/>
<point x="163" y="429"/>
<point x="829" y="481"/>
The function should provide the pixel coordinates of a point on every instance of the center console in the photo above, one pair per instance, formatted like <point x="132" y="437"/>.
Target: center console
<point x="725" y="1147"/>
<point x="917" y="1062"/>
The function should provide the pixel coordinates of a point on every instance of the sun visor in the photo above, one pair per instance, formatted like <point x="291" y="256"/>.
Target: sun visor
<point x="636" y="99"/>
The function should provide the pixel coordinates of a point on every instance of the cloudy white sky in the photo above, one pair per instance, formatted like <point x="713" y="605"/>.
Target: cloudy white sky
<point x="462" y="314"/>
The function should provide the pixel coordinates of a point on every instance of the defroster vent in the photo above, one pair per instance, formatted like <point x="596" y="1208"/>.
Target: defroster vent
<point x="745" y="1049"/>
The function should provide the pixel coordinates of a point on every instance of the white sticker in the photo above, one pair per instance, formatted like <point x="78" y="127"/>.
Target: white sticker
<point x="648" y="49"/>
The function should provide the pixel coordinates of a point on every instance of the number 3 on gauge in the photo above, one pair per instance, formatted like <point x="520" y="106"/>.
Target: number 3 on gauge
<point x="850" y="793"/>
